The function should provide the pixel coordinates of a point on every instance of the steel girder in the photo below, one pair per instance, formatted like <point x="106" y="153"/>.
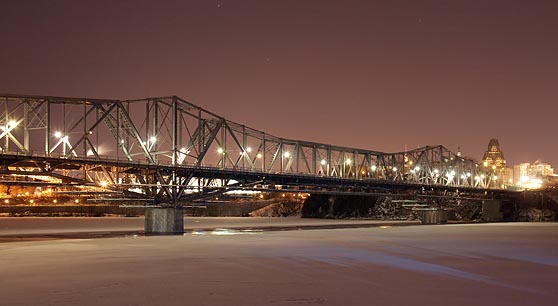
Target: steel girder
<point x="176" y="134"/>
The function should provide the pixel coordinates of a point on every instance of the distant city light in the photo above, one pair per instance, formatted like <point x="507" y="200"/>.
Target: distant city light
<point x="528" y="182"/>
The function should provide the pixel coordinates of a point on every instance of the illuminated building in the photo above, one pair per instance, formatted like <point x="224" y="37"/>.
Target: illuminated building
<point x="494" y="159"/>
<point x="532" y="175"/>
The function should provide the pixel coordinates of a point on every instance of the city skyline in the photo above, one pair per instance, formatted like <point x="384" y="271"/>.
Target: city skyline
<point x="377" y="76"/>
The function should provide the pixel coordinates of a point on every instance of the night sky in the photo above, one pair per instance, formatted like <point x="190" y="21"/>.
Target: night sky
<point x="377" y="75"/>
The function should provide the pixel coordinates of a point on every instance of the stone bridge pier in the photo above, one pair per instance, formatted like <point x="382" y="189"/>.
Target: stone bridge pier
<point x="164" y="221"/>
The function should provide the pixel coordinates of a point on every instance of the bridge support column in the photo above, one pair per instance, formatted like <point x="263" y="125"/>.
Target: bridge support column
<point x="492" y="211"/>
<point x="164" y="221"/>
<point x="433" y="216"/>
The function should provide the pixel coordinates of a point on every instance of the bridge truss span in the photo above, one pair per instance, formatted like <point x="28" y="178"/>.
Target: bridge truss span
<point x="169" y="149"/>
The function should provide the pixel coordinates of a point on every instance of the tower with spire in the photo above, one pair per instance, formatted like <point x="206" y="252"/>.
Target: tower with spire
<point x="494" y="160"/>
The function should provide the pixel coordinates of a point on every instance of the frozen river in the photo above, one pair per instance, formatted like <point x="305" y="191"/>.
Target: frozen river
<point x="480" y="264"/>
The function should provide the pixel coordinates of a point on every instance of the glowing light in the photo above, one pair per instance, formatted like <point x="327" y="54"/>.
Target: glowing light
<point x="417" y="168"/>
<point x="249" y="150"/>
<point x="394" y="169"/>
<point x="153" y="139"/>
<point x="57" y="134"/>
<point x="76" y="201"/>
<point x="323" y="162"/>
<point x="287" y="154"/>
<point x="259" y="155"/>
<point x="530" y="182"/>
<point x="468" y="174"/>
<point x="373" y="168"/>
<point x="6" y="201"/>
<point x="348" y="161"/>
<point x="104" y="184"/>
<point x="54" y="201"/>
<point x="436" y="171"/>
<point x="411" y="162"/>
<point x="31" y="201"/>
<point x="12" y="123"/>
<point x="495" y="178"/>
<point x="220" y="151"/>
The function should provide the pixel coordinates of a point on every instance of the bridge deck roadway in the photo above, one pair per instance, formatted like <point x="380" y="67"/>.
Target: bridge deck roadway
<point x="290" y="179"/>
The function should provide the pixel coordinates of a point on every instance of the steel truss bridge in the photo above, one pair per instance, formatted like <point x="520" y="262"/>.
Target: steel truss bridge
<point x="169" y="150"/>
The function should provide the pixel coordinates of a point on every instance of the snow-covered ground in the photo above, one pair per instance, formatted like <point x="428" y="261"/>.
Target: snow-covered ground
<point x="483" y="264"/>
<point x="61" y="225"/>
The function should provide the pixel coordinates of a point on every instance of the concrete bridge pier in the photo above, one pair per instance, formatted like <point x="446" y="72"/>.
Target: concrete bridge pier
<point x="164" y="221"/>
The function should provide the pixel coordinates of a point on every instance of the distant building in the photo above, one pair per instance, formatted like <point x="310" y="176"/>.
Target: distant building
<point x="494" y="160"/>
<point x="532" y="175"/>
<point x="494" y="155"/>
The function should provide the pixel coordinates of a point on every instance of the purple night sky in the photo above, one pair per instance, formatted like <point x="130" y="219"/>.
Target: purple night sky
<point x="370" y="74"/>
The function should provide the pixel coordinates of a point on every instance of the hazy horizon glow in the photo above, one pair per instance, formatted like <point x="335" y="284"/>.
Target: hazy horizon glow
<point x="369" y="74"/>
